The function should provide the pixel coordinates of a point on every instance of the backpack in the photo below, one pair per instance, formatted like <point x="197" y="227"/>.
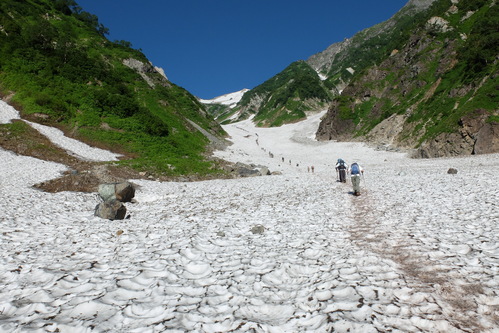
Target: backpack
<point x="342" y="165"/>
<point x="354" y="169"/>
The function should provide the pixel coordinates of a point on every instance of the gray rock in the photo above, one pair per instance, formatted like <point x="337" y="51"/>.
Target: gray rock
<point x="452" y="171"/>
<point x="123" y="192"/>
<point x="107" y="192"/>
<point x="258" y="229"/>
<point x="246" y="172"/>
<point x="111" y="210"/>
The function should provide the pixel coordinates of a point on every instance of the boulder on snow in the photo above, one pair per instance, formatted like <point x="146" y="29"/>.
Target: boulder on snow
<point x="264" y="171"/>
<point x="111" y="210"/>
<point x="247" y="172"/>
<point x="123" y="192"/>
<point x="240" y="169"/>
<point x="452" y="171"/>
<point x="258" y="229"/>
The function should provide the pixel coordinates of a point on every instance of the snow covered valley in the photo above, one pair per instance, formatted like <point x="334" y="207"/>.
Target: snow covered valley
<point x="418" y="251"/>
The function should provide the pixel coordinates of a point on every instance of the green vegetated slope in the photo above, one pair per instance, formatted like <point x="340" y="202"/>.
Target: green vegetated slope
<point x="222" y="113"/>
<point x="62" y="71"/>
<point x="440" y="78"/>
<point x="430" y="71"/>
<point x="285" y="97"/>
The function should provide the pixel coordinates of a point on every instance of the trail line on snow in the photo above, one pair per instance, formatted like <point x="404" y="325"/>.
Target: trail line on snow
<point x="423" y="273"/>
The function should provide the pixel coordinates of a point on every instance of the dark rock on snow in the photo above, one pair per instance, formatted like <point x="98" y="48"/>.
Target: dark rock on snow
<point x="111" y="210"/>
<point x="113" y="196"/>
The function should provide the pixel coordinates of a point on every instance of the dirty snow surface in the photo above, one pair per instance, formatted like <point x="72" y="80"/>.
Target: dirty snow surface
<point x="416" y="252"/>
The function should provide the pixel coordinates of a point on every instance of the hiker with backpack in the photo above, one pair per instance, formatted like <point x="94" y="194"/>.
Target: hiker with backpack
<point x="356" y="171"/>
<point x="341" y="168"/>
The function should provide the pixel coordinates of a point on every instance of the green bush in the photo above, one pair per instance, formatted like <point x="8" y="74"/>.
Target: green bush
<point x="480" y="51"/>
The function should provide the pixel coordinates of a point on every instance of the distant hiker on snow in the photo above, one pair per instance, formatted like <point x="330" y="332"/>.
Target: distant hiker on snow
<point x="341" y="169"/>
<point x="356" y="171"/>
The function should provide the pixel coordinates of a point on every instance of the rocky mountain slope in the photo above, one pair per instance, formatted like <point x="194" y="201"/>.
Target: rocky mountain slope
<point x="426" y="79"/>
<point x="340" y="61"/>
<point x="436" y="93"/>
<point x="297" y="89"/>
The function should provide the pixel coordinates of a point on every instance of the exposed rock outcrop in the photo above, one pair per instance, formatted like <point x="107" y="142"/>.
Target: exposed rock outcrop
<point x="475" y="136"/>
<point x="145" y="69"/>
<point x="334" y="127"/>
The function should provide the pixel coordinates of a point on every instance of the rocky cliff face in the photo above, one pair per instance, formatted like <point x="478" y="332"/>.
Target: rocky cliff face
<point x="423" y="96"/>
<point x="475" y="135"/>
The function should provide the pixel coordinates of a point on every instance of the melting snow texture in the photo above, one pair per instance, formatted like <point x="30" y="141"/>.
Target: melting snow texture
<point x="416" y="252"/>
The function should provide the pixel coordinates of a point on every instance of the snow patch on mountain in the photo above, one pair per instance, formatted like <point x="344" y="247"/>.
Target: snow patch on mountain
<point x="228" y="99"/>
<point x="56" y="136"/>
<point x="7" y="113"/>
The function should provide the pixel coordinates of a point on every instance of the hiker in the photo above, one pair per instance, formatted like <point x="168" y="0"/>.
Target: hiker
<point x="355" y="171"/>
<point x="341" y="169"/>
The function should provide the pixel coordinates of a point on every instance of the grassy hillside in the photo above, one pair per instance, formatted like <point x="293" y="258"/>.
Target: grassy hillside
<point x="62" y="71"/>
<point x="285" y="97"/>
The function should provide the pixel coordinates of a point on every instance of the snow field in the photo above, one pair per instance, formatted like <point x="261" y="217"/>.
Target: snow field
<point x="418" y="251"/>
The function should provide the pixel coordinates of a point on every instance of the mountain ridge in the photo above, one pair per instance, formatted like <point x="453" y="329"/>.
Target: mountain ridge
<point x="423" y="80"/>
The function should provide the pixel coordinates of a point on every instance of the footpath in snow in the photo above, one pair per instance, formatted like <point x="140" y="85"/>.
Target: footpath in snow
<point x="418" y="251"/>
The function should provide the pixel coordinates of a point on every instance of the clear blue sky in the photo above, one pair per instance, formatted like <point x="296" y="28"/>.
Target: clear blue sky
<point x="214" y="47"/>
